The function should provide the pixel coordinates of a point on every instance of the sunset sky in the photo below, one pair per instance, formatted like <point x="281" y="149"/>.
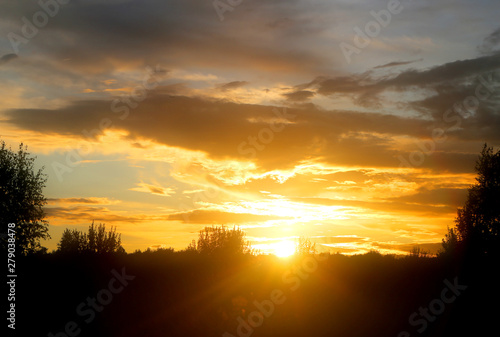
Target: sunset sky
<point x="353" y="123"/>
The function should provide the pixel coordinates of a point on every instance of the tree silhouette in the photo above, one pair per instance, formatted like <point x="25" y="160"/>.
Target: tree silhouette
<point x="304" y="246"/>
<point x="222" y="241"/>
<point x="450" y="244"/>
<point x="418" y="252"/>
<point x="72" y="241"/>
<point x="478" y="221"/>
<point x="96" y="241"/>
<point x="191" y="248"/>
<point x="100" y="241"/>
<point x="22" y="200"/>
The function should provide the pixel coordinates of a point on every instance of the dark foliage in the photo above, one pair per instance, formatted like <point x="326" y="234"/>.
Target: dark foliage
<point x="221" y="241"/>
<point x="477" y="231"/>
<point x="22" y="200"/>
<point x="97" y="240"/>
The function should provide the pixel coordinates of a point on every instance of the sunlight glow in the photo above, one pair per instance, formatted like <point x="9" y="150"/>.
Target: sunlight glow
<point x="284" y="248"/>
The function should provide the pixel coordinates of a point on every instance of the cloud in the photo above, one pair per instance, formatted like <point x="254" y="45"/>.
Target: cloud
<point x="490" y="43"/>
<point x="452" y="73"/>
<point x="394" y="205"/>
<point x="92" y="200"/>
<point x="217" y="128"/>
<point x="340" y="239"/>
<point x="435" y="91"/>
<point x="83" y="213"/>
<point x="453" y="197"/>
<point x="396" y="64"/>
<point x="153" y="189"/>
<point x="299" y="96"/>
<point x="352" y="244"/>
<point x="6" y="58"/>
<point x="232" y="85"/>
<point x="224" y="130"/>
<point x="123" y="34"/>
<point x="220" y="217"/>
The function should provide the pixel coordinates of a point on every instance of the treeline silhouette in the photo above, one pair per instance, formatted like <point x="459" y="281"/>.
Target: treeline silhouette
<point x="203" y="291"/>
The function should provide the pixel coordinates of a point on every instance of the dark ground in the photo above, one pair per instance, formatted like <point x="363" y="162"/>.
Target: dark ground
<point x="181" y="294"/>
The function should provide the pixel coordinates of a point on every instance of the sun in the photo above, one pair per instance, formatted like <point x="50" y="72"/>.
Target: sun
<point x="284" y="248"/>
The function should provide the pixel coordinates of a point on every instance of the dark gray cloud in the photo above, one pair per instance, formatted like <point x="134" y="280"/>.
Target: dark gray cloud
<point x="396" y="64"/>
<point x="457" y="71"/>
<point x="6" y="58"/>
<point x="299" y="96"/>
<point x="454" y="74"/>
<point x="491" y="42"/>
<point x="101" y="37"/>
<point x="444" y="87"/>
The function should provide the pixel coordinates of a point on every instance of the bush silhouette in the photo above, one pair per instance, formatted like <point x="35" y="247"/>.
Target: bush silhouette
<point x="96" y="241"/>
<point x="222" y="241"/>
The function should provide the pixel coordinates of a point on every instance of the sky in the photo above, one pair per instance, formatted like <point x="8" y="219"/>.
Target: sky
<point x="355" y="124"/>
